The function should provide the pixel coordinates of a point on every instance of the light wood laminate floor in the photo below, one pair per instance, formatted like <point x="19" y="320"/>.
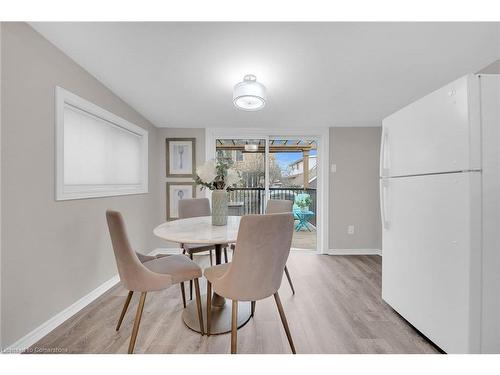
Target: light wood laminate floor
<point x="304" y="240"/>
<point x="337" y="308"/>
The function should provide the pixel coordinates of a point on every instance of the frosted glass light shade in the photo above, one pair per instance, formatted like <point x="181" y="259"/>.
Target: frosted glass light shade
<point x="249" y="95"/>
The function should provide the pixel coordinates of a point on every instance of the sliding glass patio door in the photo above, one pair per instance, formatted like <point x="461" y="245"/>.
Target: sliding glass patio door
<point x="249" y="157"/>
<point x="277" y="167"/>
<point x="293" y="176"/>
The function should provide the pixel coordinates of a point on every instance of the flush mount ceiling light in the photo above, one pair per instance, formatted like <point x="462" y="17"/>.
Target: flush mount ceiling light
<point x="249" y="95"/>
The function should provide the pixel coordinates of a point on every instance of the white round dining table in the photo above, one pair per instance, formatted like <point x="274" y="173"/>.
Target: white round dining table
<point x="199" y="230"/>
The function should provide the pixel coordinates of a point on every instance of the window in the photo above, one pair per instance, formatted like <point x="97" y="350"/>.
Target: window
<point x="98" y="154"/>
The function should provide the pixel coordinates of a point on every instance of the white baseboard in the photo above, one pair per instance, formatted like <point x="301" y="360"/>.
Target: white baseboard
<point x="329" y="252"/>
<point x="164" y="250"/>
<point x="304" y="251"/>
<point x="45" y="328"/>
<point x="354" y="252"/>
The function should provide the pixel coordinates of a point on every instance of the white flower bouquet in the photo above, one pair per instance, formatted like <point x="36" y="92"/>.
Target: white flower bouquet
<point x="216" y="175"/>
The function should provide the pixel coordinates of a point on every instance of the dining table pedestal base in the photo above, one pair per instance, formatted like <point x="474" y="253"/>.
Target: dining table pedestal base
<point x="221" y="316"/>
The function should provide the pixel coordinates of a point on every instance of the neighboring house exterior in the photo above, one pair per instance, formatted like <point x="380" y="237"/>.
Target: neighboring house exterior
<point x="296" y="172"/>
<point x="252" y="170"/>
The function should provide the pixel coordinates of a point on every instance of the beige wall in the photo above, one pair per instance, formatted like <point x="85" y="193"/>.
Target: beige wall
<point x="493" y="68"/>
<point x="354" y="188"/>
<point x="162" y="134"/>
<point x="53" y="253"/>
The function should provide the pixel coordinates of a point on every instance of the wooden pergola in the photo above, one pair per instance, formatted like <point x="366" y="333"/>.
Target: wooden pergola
<point x="275" y="146"/>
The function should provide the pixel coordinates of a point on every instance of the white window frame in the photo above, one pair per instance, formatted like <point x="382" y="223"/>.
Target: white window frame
<point x="64" y="98"/>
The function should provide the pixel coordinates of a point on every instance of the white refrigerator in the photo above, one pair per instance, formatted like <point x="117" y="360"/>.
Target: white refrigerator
<point x="435" y="229"/>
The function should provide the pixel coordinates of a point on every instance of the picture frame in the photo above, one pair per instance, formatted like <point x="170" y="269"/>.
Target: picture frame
<point x="176" y="191"/>
<point x="180" y="157"/>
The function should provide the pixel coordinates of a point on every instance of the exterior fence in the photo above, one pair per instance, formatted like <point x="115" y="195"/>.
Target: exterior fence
<point x="254" y="201"/>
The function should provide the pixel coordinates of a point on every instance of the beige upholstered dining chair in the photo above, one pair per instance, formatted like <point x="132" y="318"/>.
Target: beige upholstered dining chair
<point x="195" y="208"/>
<point x="139" y="273"/>
<point x="276" y="206"/>
<point x="256" y="271"/>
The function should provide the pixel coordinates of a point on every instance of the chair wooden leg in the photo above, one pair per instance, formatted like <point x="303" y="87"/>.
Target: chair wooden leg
<point x="198" y="305"/>
<point x="283" y="320"/>
<point x="234" y="327"/>
<point x="209" y="306"/>
<point x="137" y="321"/>
<point x="124" y="310"/>
<point x="191" y="283"/>
<point x="211" y="260"/>
<point x="183" y="293"/>
<point x="289" y="279"/>
<point x="253" y="307"/>
<point x="225" y="254"/>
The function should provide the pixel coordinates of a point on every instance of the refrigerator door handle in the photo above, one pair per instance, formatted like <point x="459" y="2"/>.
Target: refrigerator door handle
<point x="384" y="159"/>
<point x="384" y="186"/>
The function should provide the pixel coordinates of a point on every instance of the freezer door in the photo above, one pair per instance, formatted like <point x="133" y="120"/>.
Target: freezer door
<point x="430" y="256"/>
<point x="438" y="133"/>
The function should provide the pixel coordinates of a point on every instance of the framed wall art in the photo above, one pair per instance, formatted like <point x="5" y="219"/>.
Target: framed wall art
<point x="180" y="157"/>
<point x="175" y="192"/>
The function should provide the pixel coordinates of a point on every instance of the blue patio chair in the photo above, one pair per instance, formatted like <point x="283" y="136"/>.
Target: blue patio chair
<point x="301" y="215"/>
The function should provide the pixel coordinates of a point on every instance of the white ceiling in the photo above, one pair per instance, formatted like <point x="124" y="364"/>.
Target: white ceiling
<point x="317" y="74"/>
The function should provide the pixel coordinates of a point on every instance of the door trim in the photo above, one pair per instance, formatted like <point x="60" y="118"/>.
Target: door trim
<point x="321" y="135"/>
